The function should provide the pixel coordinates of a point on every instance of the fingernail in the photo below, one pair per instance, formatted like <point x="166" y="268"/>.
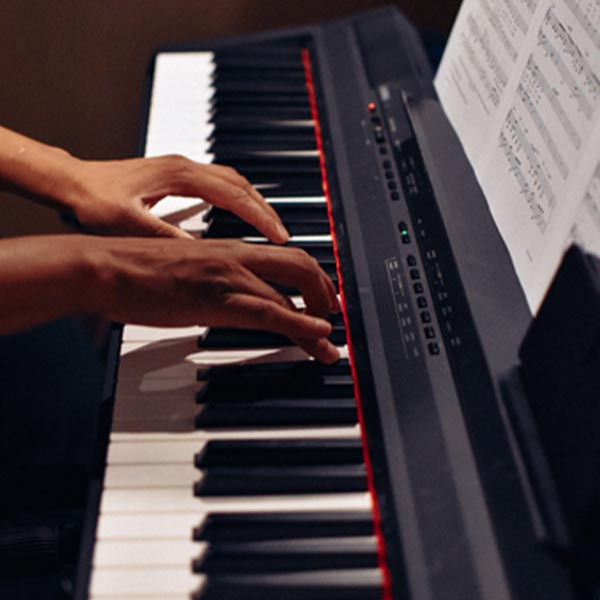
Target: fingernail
<point x="282" y="232"/>
<point x="336" y="307"/>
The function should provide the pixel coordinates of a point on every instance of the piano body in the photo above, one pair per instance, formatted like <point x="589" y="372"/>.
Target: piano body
<point x="235" y="467"/>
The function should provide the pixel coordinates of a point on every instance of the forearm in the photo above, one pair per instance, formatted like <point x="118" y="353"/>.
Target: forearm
<point x="45" y="172"/>
<point x="43" y="278"/>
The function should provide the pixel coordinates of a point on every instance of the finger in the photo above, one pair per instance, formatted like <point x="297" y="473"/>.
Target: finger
<point x="295" y="268"/>
<point x="322" y="349"/>
<point x="248" y="283"/>
<point x="236" y="199"/>
<point x="145" y="223"/>
<point x="233" y="176"/>
<point x="251" y="312"/>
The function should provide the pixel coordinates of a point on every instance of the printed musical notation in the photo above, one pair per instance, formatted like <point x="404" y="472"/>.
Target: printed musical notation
<point x="587" y="13"/>
<point x="549" y="118"/>
<point x="477" y="74"/>
<point x="536" y="79"/>
<point x="492" y="77"/>
<point x="578" y="75"/>
<point x="535" y="67"/>
<point x="529" y="172"/>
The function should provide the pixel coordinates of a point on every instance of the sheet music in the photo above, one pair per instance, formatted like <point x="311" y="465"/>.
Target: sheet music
<point x="534" y="140"/>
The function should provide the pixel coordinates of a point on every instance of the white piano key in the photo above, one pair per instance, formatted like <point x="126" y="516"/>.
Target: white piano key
<point x="172" y="205"/>
<point x="144" y="583"/>
<point x="143" y="449"/>
<point x="147" y="553"/>
<point x="297" y="200"/>
<point x="199" y="436"/>
<point x="145" y="333"/>
<point x="177" y="500"/>
<point x="157" y="526"/>
<point x="130" y="476"/>
<point x="299" y="239"/>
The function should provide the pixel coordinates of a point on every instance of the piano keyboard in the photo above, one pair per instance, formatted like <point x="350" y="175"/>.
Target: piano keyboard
<point x="235" y="467"/>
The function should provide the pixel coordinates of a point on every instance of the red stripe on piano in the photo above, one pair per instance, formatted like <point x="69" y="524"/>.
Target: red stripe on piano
<point x="309" y="79"/>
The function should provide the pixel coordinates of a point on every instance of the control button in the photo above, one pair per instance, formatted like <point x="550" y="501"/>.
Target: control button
<point x="395" y="196"/>
<point x="426" y="316"/>
<point x="433" y="348"/>
<point x="392" y="185"/>
<point x="418" y="287"/>
<point x="389" y="174"/>
<point x="422" y="302"/>
<point x="383" y="150"/>
<point x="406" y="238"/>
<point x="376" y="120"/>
<point x="411" y="261"/>
<point x="415" y="274"/>
<point x="387" y="164"/>
<point x="429" y="332"/>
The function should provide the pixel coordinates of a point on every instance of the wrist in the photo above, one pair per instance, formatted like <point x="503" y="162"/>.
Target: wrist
<point x="47" y="172"/>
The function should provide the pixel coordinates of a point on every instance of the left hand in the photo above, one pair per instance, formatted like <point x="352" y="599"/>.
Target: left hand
<point x="115" y="196"/>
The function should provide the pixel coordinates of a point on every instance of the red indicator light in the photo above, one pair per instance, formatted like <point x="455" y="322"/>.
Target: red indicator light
<point x="372" y="106"/>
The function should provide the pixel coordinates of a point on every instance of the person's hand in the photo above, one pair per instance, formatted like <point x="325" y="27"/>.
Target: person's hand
<point x="216" y="283"/>
<point x="115" y="196"/>
<point x="165" y="282"/>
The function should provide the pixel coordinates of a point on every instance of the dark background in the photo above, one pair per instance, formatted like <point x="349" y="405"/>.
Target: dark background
<point x="72" y="70"/>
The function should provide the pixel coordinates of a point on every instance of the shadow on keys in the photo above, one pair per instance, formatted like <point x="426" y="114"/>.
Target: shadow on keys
<point x="158" y="382"/>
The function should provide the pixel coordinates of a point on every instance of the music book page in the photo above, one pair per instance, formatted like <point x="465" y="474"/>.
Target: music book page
<point x="520" y="83"/>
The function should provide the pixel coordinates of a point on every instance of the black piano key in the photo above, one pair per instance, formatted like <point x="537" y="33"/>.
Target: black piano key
<point x="240" y="99"/>
<point x="288" y="51"/>
<point x="278" y="412"/>
<point x="239" y="229"/>
<point x="257" y="106"/>
<point x="222" y="75"/>
<point x="288" y="178"/>
<point x="261" y="169"/>
<point x="265" y="143"/>
<point x="291" y="189"/>
<point x="283" y="70"/>
<point x="353" y="584"/>
<point x="279" y="452"/>
<point x="287" y="212"/>
<point x="279" y="111"/>
<point x="223" y="527"/>
<point x="263" y="88"/>
<point x="273" y="64"/>
<point x="260" y="480"/>
<point x="300" y="136"/>
<point x="302" y="380"/>
<point x="292" y="291"/>
<point x="247" y="161"/>
<point x="288" y="555"/>
<point x="309" y="370"/>
<point x="232" y="337"/>
<point x="254" y="125"/>
<point x="235" y="157"/>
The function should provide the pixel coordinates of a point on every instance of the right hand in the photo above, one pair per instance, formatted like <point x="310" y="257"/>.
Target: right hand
<point x="172" y="282"/>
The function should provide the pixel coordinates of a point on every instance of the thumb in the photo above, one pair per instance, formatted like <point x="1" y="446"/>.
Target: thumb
<point x="148" y="224"/>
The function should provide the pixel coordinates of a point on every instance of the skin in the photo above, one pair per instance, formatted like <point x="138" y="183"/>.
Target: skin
<point x="153" y="273"/>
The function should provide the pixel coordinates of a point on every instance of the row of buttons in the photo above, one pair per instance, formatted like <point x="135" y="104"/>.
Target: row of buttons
<point x="414" y="272"/>
<point x="425" y="315"/>
<point x="379" y="134"/>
